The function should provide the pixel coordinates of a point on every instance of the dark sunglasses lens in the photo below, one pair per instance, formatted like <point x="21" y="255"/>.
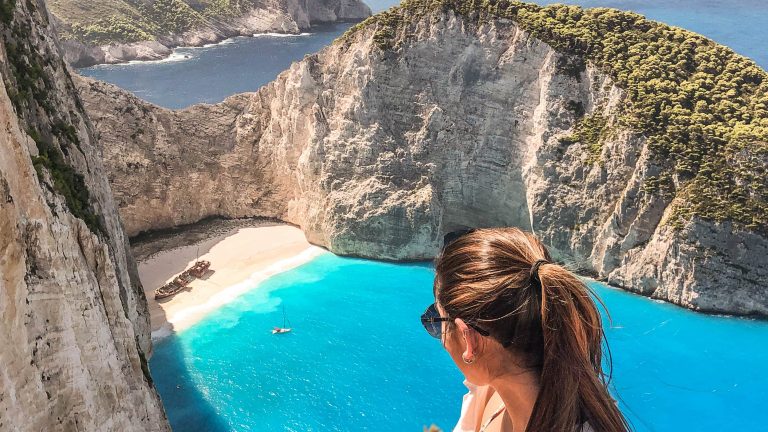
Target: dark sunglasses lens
<point x="434" y="328"/>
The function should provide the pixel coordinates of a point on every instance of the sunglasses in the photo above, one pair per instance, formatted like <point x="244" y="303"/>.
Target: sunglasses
<point x="433" y="323"/>
<point x="431" y="319"/>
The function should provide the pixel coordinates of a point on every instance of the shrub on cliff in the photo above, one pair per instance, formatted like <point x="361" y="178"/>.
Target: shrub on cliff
<point x="215" y="9"/>
<point x="123" y="21"/>
<point x="171" y="16"/>
<point x="110" y="30"/>
<point x="27" y="75"/>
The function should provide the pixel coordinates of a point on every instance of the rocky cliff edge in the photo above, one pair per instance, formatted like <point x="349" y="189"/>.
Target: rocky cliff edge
<point x="73" y="318"/>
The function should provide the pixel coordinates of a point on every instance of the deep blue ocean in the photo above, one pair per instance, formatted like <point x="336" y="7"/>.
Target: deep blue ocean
<point x="210" y="74"/>
<point x="360" y="360"/>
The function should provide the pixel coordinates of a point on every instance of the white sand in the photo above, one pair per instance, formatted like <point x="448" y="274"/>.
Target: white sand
<point x="239" y="260"/>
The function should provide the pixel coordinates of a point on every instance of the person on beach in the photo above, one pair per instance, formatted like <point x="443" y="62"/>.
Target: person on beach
<point x="526" y="334"/>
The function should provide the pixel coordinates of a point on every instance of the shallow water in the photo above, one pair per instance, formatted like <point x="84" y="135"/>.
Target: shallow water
<point x="244" y="64"/>
<point x="359" y="359"/>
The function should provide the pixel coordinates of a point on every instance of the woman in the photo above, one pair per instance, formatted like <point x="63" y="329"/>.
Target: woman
<point x="526" y="334"/>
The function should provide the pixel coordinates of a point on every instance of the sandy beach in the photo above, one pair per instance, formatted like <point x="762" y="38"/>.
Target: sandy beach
<point x="240" y="256"/>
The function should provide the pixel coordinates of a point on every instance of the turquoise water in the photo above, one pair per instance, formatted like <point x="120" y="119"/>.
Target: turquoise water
<point x="359" y="359"/>
<point x="245" y="64"/>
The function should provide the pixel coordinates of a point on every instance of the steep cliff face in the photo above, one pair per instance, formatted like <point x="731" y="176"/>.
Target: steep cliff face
<point x="73" y="319"/>
<point x="115" y="31"/>
<point x="385" y="140"/>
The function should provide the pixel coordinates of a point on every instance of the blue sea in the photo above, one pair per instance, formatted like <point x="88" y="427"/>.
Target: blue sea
<point x="359" y="359"/>
<point x="210" y="74"/>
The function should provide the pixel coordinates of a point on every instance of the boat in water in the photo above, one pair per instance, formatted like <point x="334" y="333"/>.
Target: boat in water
<point x="286" y="325"/>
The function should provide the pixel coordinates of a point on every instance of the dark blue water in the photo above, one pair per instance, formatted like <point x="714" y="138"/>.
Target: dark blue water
<point x="195" y="75"/>
<point x="359" y="359"/>
<point x="210" y="74"/>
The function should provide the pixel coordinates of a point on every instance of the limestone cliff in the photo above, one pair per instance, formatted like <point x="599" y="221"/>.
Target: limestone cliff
<point x="73" y="318"/>
<point x="397" y="133"/>
<point x="114" y="31"/>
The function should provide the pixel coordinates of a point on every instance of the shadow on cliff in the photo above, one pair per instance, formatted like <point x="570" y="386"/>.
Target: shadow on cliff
<point x="185" y="404"/>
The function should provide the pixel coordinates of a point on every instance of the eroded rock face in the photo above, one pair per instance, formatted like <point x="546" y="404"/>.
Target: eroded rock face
<point x="281" y="16"/>
<point x="377" y="154"/>
<point x="73" y="318"/>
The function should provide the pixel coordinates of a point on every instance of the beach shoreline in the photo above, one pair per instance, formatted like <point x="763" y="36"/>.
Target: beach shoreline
<point x="242" y="253"/>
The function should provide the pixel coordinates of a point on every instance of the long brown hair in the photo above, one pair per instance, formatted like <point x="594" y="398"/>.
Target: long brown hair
<point x="547" y="318"/>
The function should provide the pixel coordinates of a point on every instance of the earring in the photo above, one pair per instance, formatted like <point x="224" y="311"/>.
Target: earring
<point x="466" y="360"/>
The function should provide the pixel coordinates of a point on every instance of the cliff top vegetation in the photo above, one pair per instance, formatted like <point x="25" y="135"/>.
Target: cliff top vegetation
<point x="102" y="22"/>
<point x="702" y="107"/>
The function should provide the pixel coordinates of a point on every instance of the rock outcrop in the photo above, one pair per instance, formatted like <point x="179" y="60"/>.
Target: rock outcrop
<point x="74" y="323"/>
<point x="385" y="140"/>
<point x="119" y="31"/>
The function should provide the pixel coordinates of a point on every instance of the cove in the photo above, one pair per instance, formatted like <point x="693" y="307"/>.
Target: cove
<point x="211" y="73"/>
<point x="359" y="359"/>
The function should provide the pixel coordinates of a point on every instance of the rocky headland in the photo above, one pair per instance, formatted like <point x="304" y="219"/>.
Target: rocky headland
<point x="73" y="317"/>
<point x="637" y="151"/>
<point x="117" y="31"/>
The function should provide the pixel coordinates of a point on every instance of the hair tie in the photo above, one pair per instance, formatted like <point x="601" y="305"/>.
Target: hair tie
<point x="535" y="269"/>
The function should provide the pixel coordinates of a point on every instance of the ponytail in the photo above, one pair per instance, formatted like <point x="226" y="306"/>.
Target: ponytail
<point x="573" y="386"/>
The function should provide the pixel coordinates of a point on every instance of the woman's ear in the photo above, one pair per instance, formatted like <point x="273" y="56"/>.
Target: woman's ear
<point x="470" y="340"/>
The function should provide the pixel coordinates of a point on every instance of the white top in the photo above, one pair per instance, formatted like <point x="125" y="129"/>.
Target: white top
<point x="473" y="405"/>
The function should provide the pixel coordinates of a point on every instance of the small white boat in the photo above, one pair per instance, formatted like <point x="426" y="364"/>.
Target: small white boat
<point x="284" y="328"/>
